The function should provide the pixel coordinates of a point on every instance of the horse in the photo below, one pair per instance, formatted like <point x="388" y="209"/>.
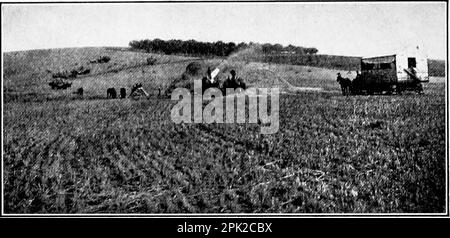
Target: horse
<point x="123" y="93"/>
<point x="345" y="83"/>
<point x="111" y="93"/>
<point x="79" y="92"/>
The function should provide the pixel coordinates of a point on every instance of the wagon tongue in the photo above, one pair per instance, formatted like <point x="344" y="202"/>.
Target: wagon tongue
<point x="412" y="75"/>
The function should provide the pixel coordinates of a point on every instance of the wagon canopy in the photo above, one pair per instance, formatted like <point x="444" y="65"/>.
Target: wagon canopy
<point x="380" y="59"/>
<point x="376" y="63"/>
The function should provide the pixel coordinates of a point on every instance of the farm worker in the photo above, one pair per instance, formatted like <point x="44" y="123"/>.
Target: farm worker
<point x="413" y="71"/>
<point x="357" y="77"/>
<point x="208" y="74"/>
<point x="233" y="79"/>
<point x="236" y="82"/>
<point x="205" y="84"/>
<point x="229" y="82"/>
<point x="233" y="74"/>
<point x="356" y="82"/>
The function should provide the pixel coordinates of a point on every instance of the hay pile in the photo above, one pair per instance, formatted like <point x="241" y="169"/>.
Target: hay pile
<point x="194" y="71"/>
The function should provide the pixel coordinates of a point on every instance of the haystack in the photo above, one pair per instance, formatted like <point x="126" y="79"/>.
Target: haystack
<point x="194" y="71"/>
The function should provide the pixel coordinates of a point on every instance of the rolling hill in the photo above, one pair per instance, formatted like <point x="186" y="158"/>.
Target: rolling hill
<point x="27" y="73"/>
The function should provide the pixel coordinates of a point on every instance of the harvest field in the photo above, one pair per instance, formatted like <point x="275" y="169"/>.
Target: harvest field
<point x="332" y="154"/>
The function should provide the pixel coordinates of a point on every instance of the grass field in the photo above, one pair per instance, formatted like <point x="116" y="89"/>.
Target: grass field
<point x="363" y="154"/>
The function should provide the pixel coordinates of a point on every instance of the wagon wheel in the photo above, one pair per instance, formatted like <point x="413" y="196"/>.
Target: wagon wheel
<point x="391" y="90"/>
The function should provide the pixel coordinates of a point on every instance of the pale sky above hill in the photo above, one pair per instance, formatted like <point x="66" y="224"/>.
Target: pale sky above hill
<point x="359" y="29"/>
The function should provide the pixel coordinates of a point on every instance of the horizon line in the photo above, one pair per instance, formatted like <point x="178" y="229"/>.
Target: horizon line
<point x="127" y="47"/>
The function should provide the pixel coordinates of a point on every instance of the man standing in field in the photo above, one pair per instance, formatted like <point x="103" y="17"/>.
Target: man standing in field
<point x="356" y="83"/>
<point x="235" y="82"/>
<point x="208" y="74"/>
<point x="229" y="82"/>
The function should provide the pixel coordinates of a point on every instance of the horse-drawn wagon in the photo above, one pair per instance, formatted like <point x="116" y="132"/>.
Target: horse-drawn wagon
<point x="392" y="73"/>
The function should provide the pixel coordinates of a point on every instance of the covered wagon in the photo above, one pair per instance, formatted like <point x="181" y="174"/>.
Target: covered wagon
<point x="392" y="73"/>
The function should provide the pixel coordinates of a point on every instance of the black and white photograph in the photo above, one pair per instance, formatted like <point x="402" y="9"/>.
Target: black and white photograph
<point x="224" y="109"/>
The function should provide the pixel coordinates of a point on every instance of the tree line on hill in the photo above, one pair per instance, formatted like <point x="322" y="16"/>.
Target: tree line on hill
<point x="268" y="53"/>
<point x="218" y="48"/>
<point x="322" y="61"/>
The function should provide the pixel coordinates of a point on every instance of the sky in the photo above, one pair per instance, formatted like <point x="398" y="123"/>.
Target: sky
<point x="356" y="29"/>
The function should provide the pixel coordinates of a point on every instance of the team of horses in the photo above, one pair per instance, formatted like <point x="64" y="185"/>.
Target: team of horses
<point x="346" y="84"/>
<point x="111" y="93"/>
<point x="136" y="90"/>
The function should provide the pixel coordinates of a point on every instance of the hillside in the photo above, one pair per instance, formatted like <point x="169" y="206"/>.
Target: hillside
<point x="322" y="61"/>
<point x="349" y="63"/>
<point x="27" y="67"/>
<point x="27" y="73"/>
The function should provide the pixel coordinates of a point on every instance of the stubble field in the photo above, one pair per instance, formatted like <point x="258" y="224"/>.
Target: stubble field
<point x="332" y="154"/>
